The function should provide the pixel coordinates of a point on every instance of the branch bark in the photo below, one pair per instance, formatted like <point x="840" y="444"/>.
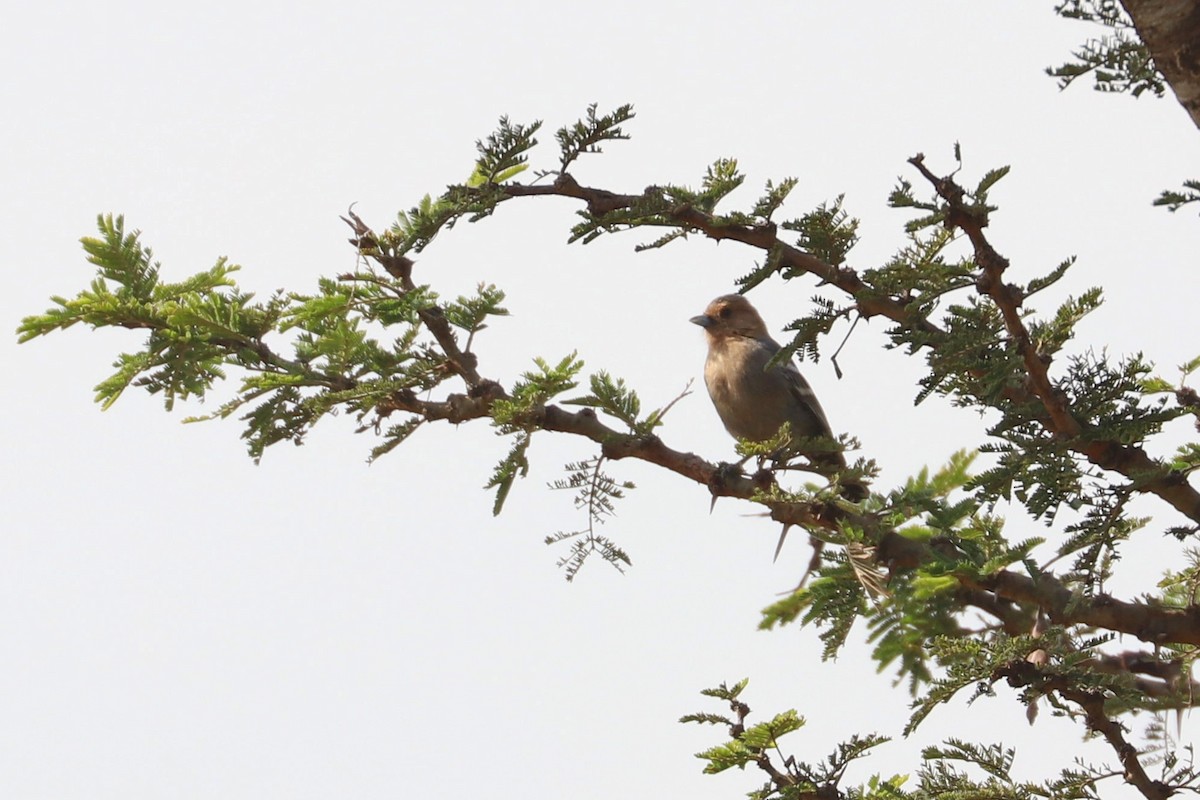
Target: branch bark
<point x="1171" y="31"/>
<point x="1091" y="703"/>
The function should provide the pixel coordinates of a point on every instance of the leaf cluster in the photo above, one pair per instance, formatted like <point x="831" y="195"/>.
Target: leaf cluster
<point x="586" y="135"/>
<point x="595" y="492"/>
<point x="1175" y="200"/>
<point x="1117" y="61"/>
<point x="301" y="356"/>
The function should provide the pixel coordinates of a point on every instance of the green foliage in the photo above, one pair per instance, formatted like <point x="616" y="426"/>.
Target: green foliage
<point x="595" y="493"/>
<point x="758" y="746"/>
<point x="941" y="778"/>
<point x="1065" y="660"/>
<point x="470" y="313"/>
<point x="921" y="274"/>
<point x="720" y="180"/>
<point x="761" y="272"/>
<point x="1110" y="399"/>
<point x="810" y="329"/>
<point x="613" y="397"/>
<point x="651" y="209"/>
<point x="1175" y="200"/>
<point x="724" y="692"/>
<point x="200" y="328"/>
<point x="514" y="417"/>
<point x="1044" y="281"/>
<point x="972" y="331"/>
<point x="513" y="465"/>
<point x="925" y="603"/>
<point x="533" y="389"/>
<point x="659" y="205"/>
<point x="902" y="197"/>
<point x="414" y="229"/>
<point x="783" y="447"/>
<point x="773" y="197"/>
<point x="920" y="607"/>
<point x="394" y="436"/>
<point x="1117" y="61"/>
<point x="196" y="327"/>
<point x="122" y="259"/>
<point x="1181" y="589"/>
<point x="1042" y="473"/>
<point x="989" y="179"/>
<point x="956" y="768"/>
<point x="504" y="151"/>
<point x="826" y="232"/>
<point x="1050" y="335"/>
<point x="747" y="747"/>
<point x="586" y="135"/>
<point x="502" y="156"/>
<point x="833" y="601"/>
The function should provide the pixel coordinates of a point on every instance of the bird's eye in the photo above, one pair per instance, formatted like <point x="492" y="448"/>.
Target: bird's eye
<point x="724" y="312"/>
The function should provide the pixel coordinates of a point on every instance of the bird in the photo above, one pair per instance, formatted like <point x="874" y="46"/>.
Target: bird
<point x="754" y="398"/>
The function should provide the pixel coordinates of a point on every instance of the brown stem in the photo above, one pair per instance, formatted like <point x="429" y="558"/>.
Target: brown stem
<point x="1167" y="681"/>
<point x="1091" y="703"/>
<point x="1150" y="623"/>
<point x="1131" y="461"/>
<point x="400" y="267"/>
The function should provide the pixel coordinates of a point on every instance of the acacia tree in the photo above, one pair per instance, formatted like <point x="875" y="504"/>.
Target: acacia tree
<point x="1075" y="440"/>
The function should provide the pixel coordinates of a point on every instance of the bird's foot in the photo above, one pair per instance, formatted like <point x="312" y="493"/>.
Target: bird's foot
<point x="724" y="473"/>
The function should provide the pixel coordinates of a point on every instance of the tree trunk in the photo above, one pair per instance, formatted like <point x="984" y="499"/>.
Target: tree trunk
<point x="1171" y="29"/>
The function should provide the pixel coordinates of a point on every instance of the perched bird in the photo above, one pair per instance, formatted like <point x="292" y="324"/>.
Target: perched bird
<point x="754" y="401"/>
<point x="751" y="400"/>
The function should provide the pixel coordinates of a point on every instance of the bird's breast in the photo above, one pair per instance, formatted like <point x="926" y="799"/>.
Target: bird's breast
<point x="747" y="399"/>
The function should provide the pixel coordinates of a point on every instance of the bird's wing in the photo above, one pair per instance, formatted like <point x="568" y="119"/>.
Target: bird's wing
<point x="800" y="389"/>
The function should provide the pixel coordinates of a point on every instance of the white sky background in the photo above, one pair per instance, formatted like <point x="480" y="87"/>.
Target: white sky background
<point x="177" y="622"/>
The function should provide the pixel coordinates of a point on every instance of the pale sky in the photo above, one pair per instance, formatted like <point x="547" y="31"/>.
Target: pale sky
<point x="178" y="622"/>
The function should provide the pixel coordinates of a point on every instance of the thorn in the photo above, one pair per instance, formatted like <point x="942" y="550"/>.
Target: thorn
<point x="782" y="537"/>
<point x="814" y="562"/>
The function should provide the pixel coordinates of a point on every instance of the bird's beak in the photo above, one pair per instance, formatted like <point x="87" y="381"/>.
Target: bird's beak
<point x="704" y="320"/>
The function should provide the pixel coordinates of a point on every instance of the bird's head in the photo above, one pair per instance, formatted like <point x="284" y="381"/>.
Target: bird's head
<point x="731" y="315"/>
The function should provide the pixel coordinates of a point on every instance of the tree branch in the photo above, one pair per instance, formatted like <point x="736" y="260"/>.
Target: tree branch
<point x="1091" y="702"/>
<point x="1150" y="623"/>
<point x="1130" y="461"/>
<point x="400" y="267"/>
<point x="763" y="237"/>
<point x="1169" y="683"/>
